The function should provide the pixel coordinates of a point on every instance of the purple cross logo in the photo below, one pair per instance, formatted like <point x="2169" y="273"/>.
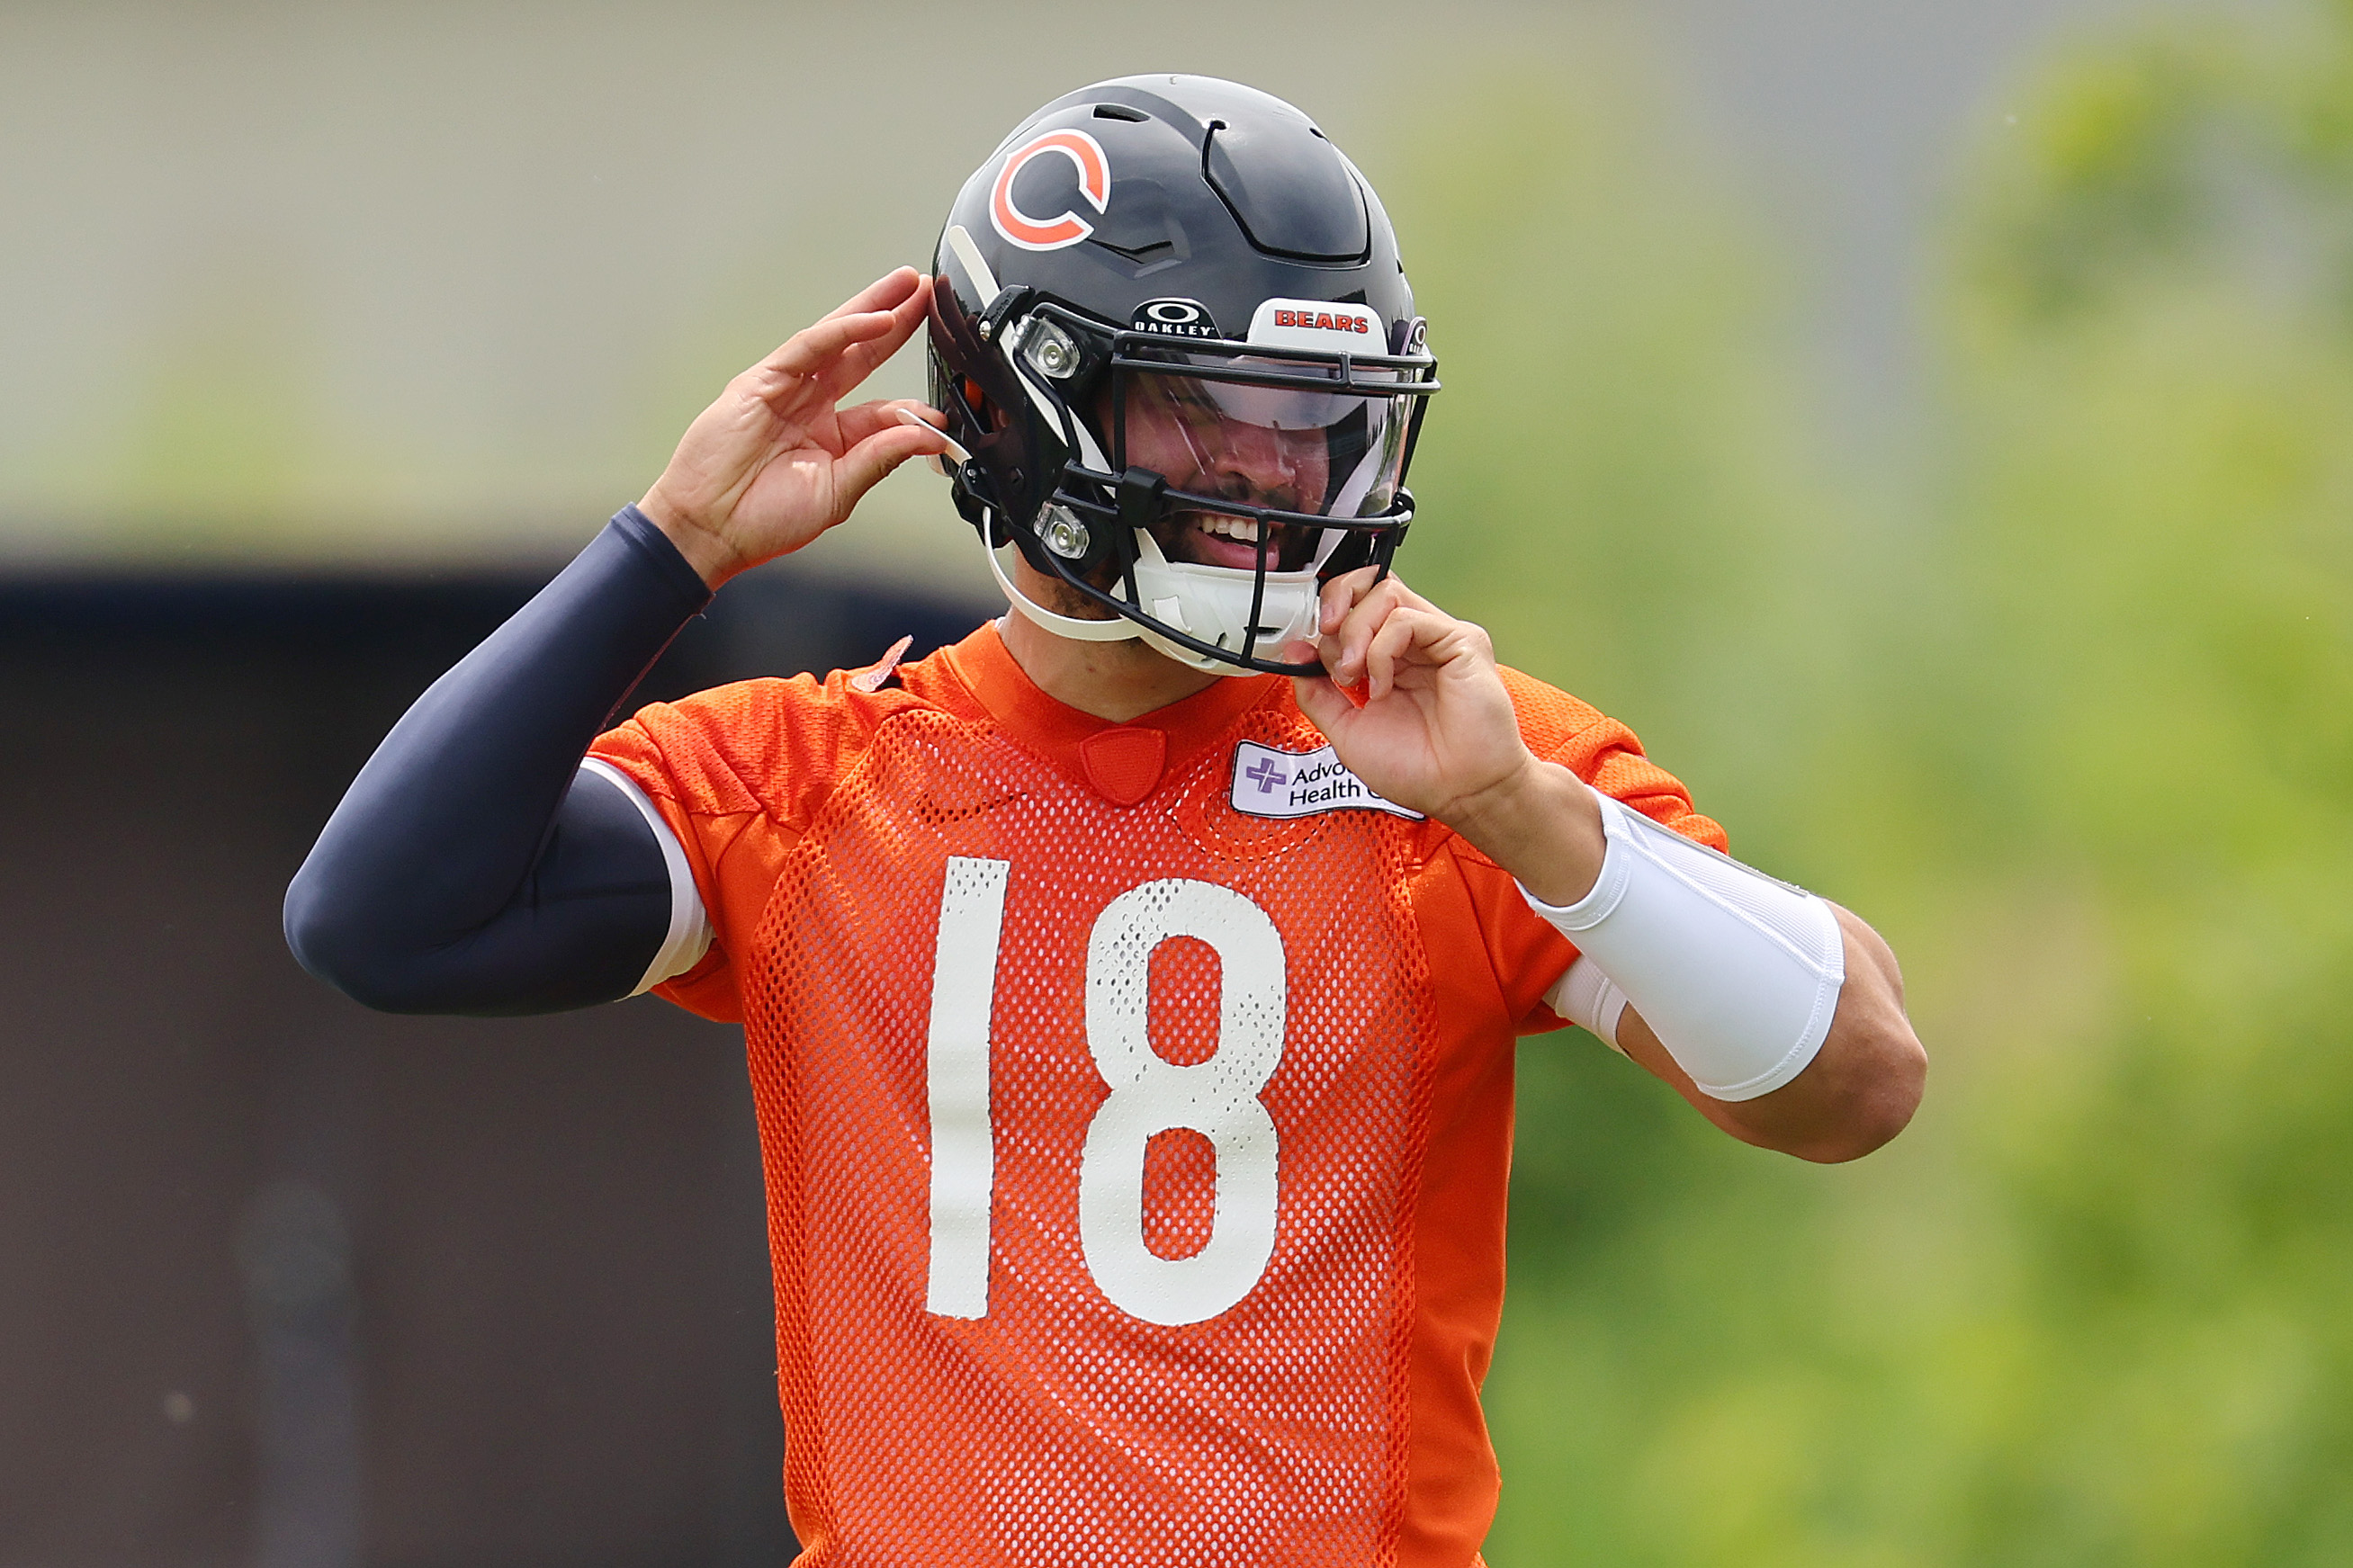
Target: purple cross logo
<point x="1265" y="774"/>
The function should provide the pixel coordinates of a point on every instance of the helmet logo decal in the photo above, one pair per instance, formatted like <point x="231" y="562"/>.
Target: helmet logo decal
<point x="1324" y="321"/>
<point x="1318" y="324"/>
<point x="1066" y="229"/>
<point x="1174" y="319"/>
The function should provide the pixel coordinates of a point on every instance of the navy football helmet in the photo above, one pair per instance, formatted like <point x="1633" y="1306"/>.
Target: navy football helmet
<point x="1177" y="350"/>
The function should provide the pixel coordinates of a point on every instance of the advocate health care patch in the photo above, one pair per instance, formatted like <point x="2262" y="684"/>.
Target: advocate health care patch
<point x="1280" y="785"/>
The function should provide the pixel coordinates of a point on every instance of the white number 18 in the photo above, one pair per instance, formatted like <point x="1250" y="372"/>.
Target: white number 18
<point x="1218" y="1098"/>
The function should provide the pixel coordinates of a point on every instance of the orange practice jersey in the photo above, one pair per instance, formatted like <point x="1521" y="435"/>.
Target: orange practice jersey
<point x="1135" y="1105"/>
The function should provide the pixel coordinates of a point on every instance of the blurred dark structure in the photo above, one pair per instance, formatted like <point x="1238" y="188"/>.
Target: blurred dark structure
<point x="288" y="1283"/>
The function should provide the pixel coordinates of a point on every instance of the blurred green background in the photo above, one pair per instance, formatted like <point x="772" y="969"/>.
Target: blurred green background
<point x="2060" y="701"/>
<point x="2007" y="599"/>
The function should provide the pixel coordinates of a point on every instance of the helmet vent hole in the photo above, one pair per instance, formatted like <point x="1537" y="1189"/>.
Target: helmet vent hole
<point x="1121" y="112"/>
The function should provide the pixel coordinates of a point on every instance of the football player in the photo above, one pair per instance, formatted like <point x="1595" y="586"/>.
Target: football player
<point x="1129" y="989"/>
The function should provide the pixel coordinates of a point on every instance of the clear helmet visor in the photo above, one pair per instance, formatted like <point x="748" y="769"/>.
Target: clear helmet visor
<point x="1230" y="476"/>
<point x="1289" y="446"/>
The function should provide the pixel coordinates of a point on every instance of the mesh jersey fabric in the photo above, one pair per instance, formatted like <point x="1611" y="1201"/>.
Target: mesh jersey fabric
<point x="1203" y="1117"/>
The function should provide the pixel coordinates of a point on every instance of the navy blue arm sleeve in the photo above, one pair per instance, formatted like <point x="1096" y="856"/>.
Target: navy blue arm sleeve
<point x="472" y="868"/>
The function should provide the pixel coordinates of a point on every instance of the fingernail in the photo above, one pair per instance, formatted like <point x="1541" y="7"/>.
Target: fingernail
<point x="909" y="417"/>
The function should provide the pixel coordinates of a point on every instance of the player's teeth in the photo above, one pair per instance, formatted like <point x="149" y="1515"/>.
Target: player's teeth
<point x="1239" y="527"/>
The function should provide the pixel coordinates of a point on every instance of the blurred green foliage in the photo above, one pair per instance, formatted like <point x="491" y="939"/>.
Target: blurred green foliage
<point x="2074" y="728"/>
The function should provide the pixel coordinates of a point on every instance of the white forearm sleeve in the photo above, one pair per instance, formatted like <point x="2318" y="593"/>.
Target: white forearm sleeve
<point x="1737" y="974"/>
<point x="1590" y="1000"/>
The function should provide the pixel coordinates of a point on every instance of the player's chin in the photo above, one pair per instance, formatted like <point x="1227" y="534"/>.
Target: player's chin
<point x="1063" y="599"/>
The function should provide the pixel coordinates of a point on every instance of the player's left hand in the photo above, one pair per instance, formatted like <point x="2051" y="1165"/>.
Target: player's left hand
<point x="1435" y="729"/>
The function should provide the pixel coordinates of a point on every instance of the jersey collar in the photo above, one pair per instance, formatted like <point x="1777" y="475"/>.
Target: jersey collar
<point x="986" y="669"/>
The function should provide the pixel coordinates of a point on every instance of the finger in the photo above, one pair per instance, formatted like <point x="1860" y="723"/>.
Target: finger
<point x="864" y="419"/>
<point x="897" y="295"/>
<point x="1406" y="595"/>
<point x="1326" y="706"/>
<point x="1344" y="649"/>
<point x="1400" y="636"/>
<point x="1343" y="593"/>
<point x="863" y="360"/>
<point x="886" y="292"/>
<point x="863" y="467"/>
<point x="1340" y="596"/>
<point x="813" y="349"/>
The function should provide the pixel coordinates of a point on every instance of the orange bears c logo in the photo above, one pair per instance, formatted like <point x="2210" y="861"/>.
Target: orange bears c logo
<point x="1069" y="228"/>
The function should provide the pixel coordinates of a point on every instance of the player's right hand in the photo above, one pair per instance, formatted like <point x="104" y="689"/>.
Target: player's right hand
<point x="774" y="461"/>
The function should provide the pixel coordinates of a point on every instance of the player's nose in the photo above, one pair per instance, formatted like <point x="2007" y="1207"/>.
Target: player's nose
<point x="1264" y="465"/>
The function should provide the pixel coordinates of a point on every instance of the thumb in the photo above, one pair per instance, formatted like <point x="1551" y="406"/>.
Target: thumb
<point x="1326" y="706"/>
<point x="865" y="465"/>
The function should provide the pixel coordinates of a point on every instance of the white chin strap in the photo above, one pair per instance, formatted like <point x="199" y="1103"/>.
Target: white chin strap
<point x="1119" y="628"/>
<point x="1211" y="602"/>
